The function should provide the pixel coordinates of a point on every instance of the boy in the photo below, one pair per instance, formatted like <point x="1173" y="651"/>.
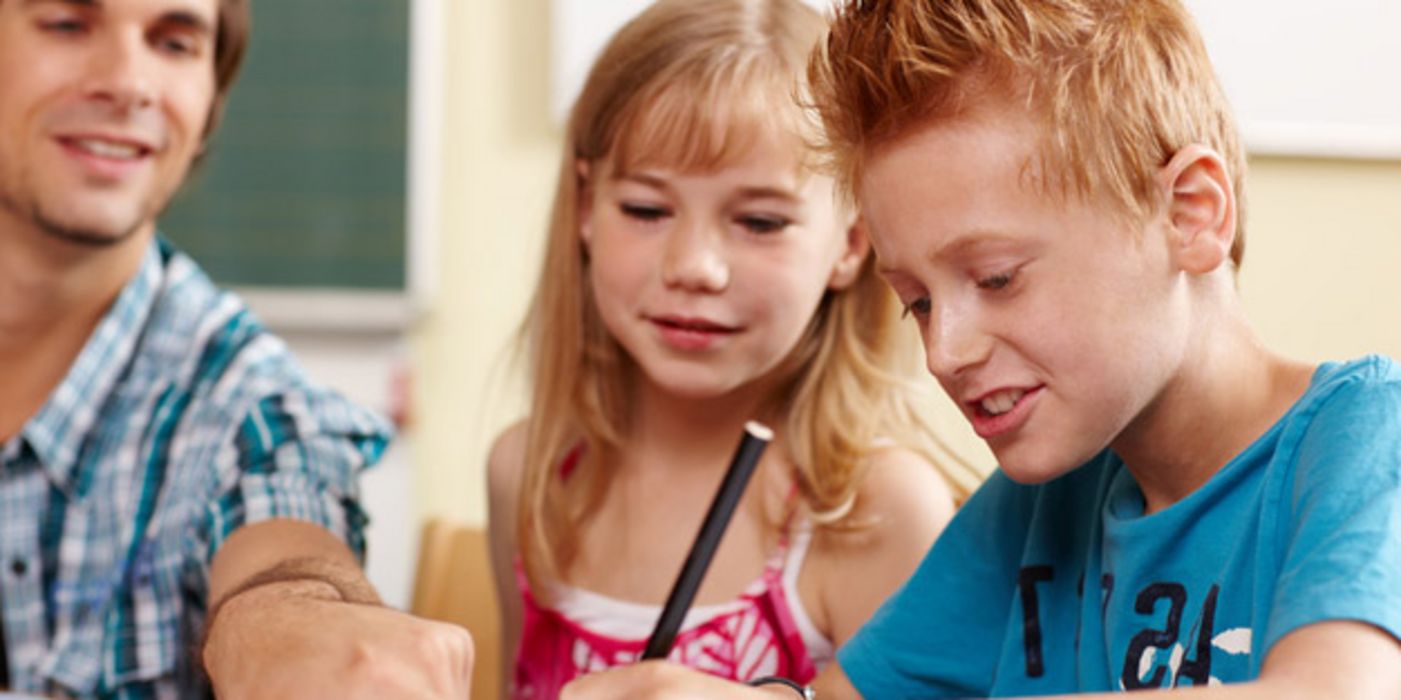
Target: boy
<point x="1052" y="189"/>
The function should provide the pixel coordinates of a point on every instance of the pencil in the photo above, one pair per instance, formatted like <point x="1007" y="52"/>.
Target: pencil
<point x="751" y="446"/>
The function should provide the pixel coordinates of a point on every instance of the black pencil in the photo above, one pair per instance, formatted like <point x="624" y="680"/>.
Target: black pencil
<point x="751" y="446"/>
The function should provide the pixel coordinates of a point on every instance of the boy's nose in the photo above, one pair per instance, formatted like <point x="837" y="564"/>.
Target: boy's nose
<point x="694" y="259"/>
<point x="954" y="342"/>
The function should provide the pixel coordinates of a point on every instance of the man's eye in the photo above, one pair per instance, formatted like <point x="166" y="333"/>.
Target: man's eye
<point x="643" y="212"/>
<point x="177" y="46"/>
<point x="764" y="224"/>
<point x="66" y="25"/>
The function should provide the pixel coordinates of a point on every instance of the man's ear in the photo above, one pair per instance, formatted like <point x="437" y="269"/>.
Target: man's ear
<point x="1201" y="209"/>
<point x="583" y="193"/>
<point x="848" y="266"/>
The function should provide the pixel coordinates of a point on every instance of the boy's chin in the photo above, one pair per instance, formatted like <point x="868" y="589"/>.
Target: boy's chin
<point x="1030" y="469"/>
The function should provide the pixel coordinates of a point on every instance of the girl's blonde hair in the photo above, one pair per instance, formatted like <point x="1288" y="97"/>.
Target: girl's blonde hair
<point x="691" y="84"/>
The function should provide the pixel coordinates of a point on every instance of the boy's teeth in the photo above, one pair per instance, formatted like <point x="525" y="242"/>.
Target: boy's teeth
<point x="107" y="149"/>
<point x="1002" y="401"/>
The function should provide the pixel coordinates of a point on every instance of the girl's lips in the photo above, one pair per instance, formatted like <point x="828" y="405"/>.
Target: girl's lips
<point x="989" y="426"/>
<point x="691" y="334"/>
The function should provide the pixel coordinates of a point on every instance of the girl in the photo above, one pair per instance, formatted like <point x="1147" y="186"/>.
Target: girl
<point x="698" y="274"/>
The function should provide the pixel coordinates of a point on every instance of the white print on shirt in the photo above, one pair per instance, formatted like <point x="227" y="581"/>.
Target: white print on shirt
<point x="1235" y="642"/>
<point x="1156" y="657"/>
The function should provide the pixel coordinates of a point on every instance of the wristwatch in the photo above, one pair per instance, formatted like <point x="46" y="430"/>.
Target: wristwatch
<point x="803" y="691"/>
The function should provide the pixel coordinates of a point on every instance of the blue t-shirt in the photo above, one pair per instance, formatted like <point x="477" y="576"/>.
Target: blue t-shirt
<point x="1068" y="587"/>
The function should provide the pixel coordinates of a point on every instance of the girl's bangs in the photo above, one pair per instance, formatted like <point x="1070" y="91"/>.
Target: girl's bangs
<point x="711" y="124"/>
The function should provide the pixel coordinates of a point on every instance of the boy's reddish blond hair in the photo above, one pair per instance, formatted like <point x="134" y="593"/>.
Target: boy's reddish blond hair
<point x="1119" y="86"/>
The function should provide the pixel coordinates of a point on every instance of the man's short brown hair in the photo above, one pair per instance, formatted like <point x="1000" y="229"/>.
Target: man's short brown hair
<point x="230" y="43"/>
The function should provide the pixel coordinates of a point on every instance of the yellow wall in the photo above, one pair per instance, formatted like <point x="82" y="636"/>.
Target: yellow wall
<point x="1319" y="278"/>
<point x="500" y="148"/>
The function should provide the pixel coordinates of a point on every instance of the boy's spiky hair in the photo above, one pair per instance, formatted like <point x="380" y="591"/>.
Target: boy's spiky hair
<point x="1119" y="86"/>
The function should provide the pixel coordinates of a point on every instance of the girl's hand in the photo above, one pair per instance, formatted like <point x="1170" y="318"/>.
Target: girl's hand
<point x="659" y="680"/>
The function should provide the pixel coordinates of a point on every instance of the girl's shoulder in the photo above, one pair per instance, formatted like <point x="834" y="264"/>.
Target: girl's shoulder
<point x="901" y="506"/>
<point x="901" y="492"/>
<point x="505" y="464"/>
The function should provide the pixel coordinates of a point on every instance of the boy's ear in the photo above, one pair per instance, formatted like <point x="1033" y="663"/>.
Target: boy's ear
<point x="1201" y="209"/>
<point x="854" y="252"/>
<point x="584" y="203"/>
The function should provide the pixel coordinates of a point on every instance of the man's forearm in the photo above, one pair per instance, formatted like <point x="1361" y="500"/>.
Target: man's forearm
<point x="349" y="583"/>
<point x="309" y="577"/>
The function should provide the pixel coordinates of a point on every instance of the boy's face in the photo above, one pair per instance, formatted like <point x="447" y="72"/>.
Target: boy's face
<point x="102" y="108"/>
<point x="1050" y="322"/>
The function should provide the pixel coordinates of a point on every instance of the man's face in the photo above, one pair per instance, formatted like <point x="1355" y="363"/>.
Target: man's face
<point x="103" y="105"/>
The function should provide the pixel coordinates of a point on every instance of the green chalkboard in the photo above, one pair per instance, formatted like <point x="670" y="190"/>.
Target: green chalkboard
<point x="305" y="182"/>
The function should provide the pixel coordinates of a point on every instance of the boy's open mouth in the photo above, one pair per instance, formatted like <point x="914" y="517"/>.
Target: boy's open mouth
<point x="999" y="402"/>
<point x="1002" y="411"/>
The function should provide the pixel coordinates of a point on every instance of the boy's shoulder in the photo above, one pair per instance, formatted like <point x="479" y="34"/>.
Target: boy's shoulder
<point x="1361" y="374"/>
<point x="1346" y="400"/>
<point x="1352" y="405"/>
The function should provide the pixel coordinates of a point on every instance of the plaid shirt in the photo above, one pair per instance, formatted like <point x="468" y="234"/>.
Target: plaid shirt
<point x="181" y="420"/>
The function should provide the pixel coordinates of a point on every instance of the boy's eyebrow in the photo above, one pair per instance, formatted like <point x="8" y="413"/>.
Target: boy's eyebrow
<point x="970" y="242"/>
<point x="961" y="246"/>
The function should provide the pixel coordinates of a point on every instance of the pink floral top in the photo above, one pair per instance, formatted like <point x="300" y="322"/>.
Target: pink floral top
<point x="765" y="631"/>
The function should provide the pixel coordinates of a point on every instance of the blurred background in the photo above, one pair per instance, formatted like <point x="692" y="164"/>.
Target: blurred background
<point x="381" y="184"/>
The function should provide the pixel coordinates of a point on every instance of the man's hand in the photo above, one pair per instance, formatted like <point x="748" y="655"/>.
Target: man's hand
<point x="659" y="680"/>
<point x="294" y="617"/>
<point x="298" y="640"/>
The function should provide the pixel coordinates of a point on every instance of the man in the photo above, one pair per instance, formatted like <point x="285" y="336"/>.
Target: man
<point x="163" y="462"/>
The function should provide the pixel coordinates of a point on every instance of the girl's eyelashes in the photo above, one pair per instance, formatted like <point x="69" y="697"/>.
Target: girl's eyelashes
<point x="764" y="223"/>
<point x="644" y="212"/>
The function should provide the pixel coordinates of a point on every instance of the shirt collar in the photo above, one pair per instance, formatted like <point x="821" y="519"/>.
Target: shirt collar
<point x="58" y="431"/>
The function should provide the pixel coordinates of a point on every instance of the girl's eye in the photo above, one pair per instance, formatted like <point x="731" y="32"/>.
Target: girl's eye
<point x="919" y="307"/>
<point x="643" y="212"/>
<point x="996" y="282"/>
<point x="764" y="224"/>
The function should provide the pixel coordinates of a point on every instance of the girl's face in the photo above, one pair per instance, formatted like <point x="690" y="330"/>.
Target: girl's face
<point x="708" y="279"/>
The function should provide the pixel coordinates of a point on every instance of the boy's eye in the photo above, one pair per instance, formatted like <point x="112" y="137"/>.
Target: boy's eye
<point x="643" y="212"/>
<point x="996" y="282"/>
<point x="919" y="307"/>
<point x="756" y="223"/>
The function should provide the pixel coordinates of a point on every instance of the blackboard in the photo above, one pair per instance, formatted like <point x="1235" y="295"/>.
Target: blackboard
<point x="304" y="185"/>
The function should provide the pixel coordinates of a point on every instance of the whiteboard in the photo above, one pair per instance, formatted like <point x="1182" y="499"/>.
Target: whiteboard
<point x="1305" y="77"/>
<point x="1309" y="77"/>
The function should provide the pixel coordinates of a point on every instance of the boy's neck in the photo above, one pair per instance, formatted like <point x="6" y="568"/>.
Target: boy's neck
<point x="1229" y="390"/>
